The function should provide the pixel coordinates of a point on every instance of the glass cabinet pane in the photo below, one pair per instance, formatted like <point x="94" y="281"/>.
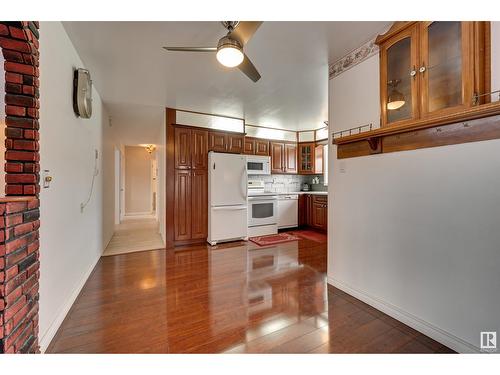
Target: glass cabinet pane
<point x="399" y="81"/>
<point x="445" y="65"/>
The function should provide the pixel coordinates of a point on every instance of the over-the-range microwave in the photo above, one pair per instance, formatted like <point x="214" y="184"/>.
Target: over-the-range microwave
<point x="258" y="164"/>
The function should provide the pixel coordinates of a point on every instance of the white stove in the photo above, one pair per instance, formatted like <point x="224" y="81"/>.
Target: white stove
<point x="262" y="210"/>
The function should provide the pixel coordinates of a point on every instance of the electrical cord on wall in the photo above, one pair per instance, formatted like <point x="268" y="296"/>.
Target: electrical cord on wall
<point x="94" y="175"/>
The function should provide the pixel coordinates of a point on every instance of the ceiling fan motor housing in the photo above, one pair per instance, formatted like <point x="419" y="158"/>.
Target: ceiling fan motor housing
<point x="227" y="41"/>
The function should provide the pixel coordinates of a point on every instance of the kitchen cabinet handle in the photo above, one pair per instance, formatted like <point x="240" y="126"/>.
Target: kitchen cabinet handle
<point x="422" y="69"/>
<point x="413" y="73"/>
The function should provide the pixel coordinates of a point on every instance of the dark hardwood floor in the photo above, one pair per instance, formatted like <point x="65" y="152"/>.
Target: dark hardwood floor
<point x="237" y="298"/>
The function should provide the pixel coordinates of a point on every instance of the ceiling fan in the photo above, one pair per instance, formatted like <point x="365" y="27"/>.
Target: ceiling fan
<point x="230" y="47"/>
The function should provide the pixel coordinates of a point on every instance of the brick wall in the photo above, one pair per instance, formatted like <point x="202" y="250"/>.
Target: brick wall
<point x="19" y="210"/>
<point x="19" y="274"/>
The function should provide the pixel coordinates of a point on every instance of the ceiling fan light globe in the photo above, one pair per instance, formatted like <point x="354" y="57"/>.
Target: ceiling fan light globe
<point x="230" y="56"/>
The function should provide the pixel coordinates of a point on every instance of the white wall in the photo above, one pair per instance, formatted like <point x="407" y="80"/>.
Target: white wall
<point x="416" y="233"/>
<point x="71" y="241"/>
<point x="138" y="192"/>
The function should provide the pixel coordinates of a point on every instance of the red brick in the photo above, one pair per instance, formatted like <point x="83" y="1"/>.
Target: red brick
<point x="28" y="331"/>
<point x="28" y="90"/>
<point x="36" y="225"/>
<point x="2" y="239"/>
<point x="20" y="100"/>
<point x="13" y="78"/>
<point x="13" y="207"/>
<point x="32" y="112"/>
<point x="13" y="167"/>
<point x="1" y="327"/>
<point x="33" y="203"/>
<point x="4" y="30"/>
<point x="23" y="229"/>
<point x="12" y="110"/>
<point x="19" y="68"/>
<point x="21" y="155"/>
<point x="11" y="220"/>
<point x="17" y="33"/>
<point x="33" y="268"/>
<point x="14" y="283"/>
<point x="2" y="208"/>
<point x="14" y="308"/>
<point x="16" y="244"/>
<point x="13" y="331"/>
<point x="2" y="222"/>
<point x="11" y="272"/>
<point x="16" y="45"/>
<point x="29" y="190"/>
<point x="21" y="178"/>
<point x="10" y="55"/>
<point x="31" y="282"/>
<point x="21" y="122"/>
<point x="15" y="132"/>
<point x="14" y="189"/>
<point x="19" y="144"/>
<point x="13" y="88"/>
<point x="15" y="257"/>
<point x="14" y="295"/>
<point x="2" y="263"/>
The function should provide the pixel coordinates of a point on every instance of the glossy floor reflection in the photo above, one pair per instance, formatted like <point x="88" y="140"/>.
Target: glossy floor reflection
<point x="236" y="298"/>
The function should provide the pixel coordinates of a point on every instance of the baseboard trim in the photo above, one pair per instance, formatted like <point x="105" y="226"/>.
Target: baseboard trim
<point x="46" y="339"/>
<point x="441" y="336"/>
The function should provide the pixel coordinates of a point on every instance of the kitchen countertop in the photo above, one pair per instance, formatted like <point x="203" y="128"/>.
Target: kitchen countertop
<point x="290" y="193"/>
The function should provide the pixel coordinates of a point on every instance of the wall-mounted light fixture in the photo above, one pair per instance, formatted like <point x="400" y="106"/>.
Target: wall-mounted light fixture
<point x="150" y="148"/>
<point x="396" y="99"/>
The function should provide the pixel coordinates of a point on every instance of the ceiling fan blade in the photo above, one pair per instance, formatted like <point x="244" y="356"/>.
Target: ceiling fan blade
<point x="191" y="49"/>
<point x="245" y="30"/>
<point x="249" y="69"/>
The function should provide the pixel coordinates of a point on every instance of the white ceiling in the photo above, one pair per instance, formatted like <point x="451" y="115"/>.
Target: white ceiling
<point x="136" y="78"/>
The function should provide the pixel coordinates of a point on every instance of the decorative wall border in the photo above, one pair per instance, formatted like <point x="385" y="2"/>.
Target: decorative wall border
<point x="353" y="58"/>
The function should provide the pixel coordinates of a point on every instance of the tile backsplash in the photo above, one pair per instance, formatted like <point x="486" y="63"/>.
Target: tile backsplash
<point x="281" y="183"/>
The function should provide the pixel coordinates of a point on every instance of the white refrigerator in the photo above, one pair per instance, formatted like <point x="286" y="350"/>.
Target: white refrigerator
<point x="227" y="197"/>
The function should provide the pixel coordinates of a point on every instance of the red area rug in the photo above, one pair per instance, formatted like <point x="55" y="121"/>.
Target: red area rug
<point x="273" y="239"/>
<point x="311" y="235"/>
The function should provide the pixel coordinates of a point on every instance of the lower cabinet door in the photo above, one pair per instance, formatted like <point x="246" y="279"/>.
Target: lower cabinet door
<point x="319" y="215"/>
<point x="182" y="205"/>
<point x="199" y="204"/>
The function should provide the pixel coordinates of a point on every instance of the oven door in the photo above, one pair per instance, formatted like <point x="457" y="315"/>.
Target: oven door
<point x="262" y="211"/>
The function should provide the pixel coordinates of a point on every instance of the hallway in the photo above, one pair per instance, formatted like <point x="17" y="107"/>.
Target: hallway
<point x="134" y="235"/>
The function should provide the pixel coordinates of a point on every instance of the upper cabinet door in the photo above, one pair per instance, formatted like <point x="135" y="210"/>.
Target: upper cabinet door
<point x="306" y="158"/>
<point x="249" y="147"/>
<point x="277" y="156"/>
<point x="182" y="148"/>
<point x="199" y="149"/>
<point x="217" y="141"/>
<point x="261" y="147"/>
<point x="235" y="143"/>
<point x="290" y="157"/>
<point x="446" y="69"/>
<point x="398" y="78"/>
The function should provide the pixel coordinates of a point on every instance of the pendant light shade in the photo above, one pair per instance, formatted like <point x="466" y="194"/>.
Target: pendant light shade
<point x="395" y="99"/>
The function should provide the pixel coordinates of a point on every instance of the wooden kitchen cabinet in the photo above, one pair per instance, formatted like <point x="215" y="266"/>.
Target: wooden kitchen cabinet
<point x="319" y="213"/>
<point x="432" y="69"/>
<point x="190" y="148"/>
<point x="217" y="141"/>
<point x="199" y="204"/>
<point x="256" y="146"/>
<point x="310" y="158"/>
<point x="277" y="157"/>
<point x="182" y="205"/>
<point x="182" y="152"/>
<point x="290" y="158"/>
<point x="283" y="157"/>
<point x="226" y="142"/>
<point x="313" y="211"/>
<point x="199" y="149"/>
